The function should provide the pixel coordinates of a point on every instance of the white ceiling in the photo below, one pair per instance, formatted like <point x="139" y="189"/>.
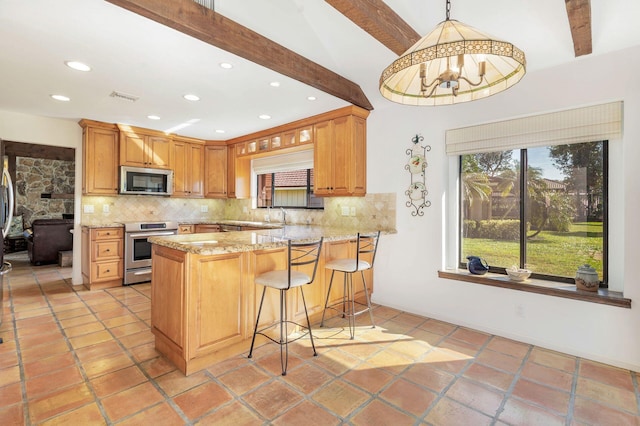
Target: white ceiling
<point x="134" y="55"/>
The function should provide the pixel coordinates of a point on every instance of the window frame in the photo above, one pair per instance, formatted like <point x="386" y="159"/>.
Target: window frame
<point x="308" y="188"/>
<point x="522" y="215"/>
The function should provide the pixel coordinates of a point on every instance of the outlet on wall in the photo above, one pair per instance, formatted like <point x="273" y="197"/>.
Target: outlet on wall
<point x="88" y="208"/>
<point x="353" y="211"/>
<point x="105" y="208"/>
<point x="204" y="208"/>
<point x="345" y="211"/>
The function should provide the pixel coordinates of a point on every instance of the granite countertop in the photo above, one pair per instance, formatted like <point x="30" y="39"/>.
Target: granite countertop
<point x="237" y="241"/>
<point x="103" y="225"/>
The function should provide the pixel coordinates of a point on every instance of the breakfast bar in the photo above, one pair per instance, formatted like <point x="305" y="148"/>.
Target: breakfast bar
<point x="203" y="297"/>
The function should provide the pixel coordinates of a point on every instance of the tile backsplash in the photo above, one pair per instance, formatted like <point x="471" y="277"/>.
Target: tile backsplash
<point x="377" y="210"/>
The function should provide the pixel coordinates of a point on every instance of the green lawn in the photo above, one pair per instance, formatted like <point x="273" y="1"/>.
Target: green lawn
<point x="554" y="253"/>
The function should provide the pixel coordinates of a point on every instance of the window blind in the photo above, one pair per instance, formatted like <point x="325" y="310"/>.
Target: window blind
<point x="586" y="124"/>
<point x="283" y="163"/>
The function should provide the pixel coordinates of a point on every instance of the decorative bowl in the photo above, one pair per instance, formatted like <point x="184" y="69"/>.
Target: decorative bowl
<point x="518" y="274"/>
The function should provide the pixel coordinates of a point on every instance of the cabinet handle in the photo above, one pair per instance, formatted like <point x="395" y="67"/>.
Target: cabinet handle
<point x="108" y="270"/>
<point x="108" y="250"/>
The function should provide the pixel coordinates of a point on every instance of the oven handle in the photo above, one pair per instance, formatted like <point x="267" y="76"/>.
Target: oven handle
<point x="142" y="273"/>
<point x="152" y="234"/>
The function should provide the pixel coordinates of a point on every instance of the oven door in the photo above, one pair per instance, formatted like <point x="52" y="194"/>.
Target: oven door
<point x="138" y="250"/>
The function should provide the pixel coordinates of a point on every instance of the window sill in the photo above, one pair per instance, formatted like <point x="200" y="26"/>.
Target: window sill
<point x="549" y="288"/>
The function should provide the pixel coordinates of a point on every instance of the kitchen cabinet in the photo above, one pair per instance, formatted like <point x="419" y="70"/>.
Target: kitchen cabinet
<point x="340" y="157"/>
<point x="215" y="182"/>
<point x="344" y="249"/>
<point x="188" y="167"/>
<point x="102" y="257"/>
<point x="100" y="158"/>
<point x="238" y="171"/>
<point x="144" y="148"/>
<point x="206" y="227"/>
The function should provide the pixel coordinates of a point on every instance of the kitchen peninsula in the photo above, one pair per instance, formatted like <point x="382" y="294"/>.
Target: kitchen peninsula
<point x="203" y="297"/>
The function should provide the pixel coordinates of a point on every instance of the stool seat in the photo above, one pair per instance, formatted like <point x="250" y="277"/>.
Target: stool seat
<point x="366" y="244"/>
<point x="280" y="279"/>
<point x="348" y="265"/>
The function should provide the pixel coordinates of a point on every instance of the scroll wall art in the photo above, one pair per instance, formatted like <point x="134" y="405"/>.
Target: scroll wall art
<point x="416" y="166"/>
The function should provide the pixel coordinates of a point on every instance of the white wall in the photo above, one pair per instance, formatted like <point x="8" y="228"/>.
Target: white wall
<point x="50" y="131"/>
<point x="406" y="269"/>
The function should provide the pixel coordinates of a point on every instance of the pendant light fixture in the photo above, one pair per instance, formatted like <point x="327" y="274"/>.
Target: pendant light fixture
<point x="452" y="64"/>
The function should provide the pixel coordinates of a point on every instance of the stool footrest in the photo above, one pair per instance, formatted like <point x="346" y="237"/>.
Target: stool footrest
<point x="304" y="330"/>
<point x="348" y="305"/>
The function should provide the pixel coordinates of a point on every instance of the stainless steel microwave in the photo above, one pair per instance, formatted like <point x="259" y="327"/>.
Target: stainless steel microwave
<point x="138" y="180"/>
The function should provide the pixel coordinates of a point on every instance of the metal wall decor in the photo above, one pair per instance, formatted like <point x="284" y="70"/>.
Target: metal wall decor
<point x="416" y="166"/>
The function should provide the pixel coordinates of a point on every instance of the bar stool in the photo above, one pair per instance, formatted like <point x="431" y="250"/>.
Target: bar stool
<point x="365" y="244"/>
<point x="298" y="254"/>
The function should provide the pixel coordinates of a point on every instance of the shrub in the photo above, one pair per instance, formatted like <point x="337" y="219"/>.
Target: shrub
<point x="493" y="229"/>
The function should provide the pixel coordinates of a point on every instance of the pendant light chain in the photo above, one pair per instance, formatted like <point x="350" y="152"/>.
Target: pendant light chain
<point x="448" y="8"/>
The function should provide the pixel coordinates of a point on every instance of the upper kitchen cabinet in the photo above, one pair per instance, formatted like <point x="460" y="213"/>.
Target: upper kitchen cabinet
<point x="144" y="148"/>
<point x="340" y="156"/>
<point x="188" y="167"/>
<point x="100" y="162"/>
<point x="215" y="166"/>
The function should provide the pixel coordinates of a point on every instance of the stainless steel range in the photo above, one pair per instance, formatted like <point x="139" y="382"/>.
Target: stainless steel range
<point x="137" y="250"/>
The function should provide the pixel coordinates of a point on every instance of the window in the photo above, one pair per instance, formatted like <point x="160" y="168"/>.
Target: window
<point x="541" y="208"/>
<point x="292" y="188"/>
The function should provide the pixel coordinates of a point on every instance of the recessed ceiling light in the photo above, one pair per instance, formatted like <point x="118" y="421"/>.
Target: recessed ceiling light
<point x="226" y="65"/>
<point x="61" y="98"/>
<point x="153" y="117"/>
<point x="219" y="131"/>
<point x="78" y="66"/>
<point x="274" y="84"/>
<point x="311" y="98"/>
<point x="191" y="97"/>
<point x="264" y="116"/>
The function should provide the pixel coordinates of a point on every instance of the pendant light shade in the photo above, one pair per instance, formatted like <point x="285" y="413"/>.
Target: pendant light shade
<point x="454" y="63"/>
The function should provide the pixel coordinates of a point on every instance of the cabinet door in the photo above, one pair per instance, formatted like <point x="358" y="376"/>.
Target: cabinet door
<point x="158" y="152"/>
<point x="100" y="167"/>
<point x="195" y="170"/>
<point x="204" y="228"/>
<point x="132" y="150"/>
<point x="359" y="162"/>
<point x="216" y="171"/>
<point x="231" y="171"/>
<point x="322" y="158"/>
<point x="180" y="168"/>
<point x="341" y="157"/>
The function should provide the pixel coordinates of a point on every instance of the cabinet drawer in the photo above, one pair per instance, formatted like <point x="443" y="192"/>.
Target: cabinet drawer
<point x="185" y="229"/>
<point x="109" y="249"/>
<point x="106" y="270"/>
<point x="107" y="233"/>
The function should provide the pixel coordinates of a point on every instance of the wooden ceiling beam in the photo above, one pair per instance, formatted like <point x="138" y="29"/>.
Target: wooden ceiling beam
<point x="204" y="24"/>
<point x="579" y="13"/>
<point x="380" y="21"/>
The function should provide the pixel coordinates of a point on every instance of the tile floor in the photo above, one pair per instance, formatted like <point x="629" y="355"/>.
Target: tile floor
<point x="75" y="357"/>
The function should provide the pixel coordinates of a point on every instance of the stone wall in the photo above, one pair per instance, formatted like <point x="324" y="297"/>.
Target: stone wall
<point x="36" y="176"/>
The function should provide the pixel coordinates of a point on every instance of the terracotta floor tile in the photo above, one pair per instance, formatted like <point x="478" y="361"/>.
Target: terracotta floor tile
<point x="73" y="313"/>
<point x="117" y="381"/>
<point x="307" y="378"/>
<point x="32" y="313"/>
<point x="608" y="395"/>
<point x="158" y="366"/>
<point x="272" y="399"/>
<point x="196" y="402"/>
<point x="409" y="397"/>
<point x="244" y="379"/>
<point x="447" y="360"/>
<point x="53" y="381"/>
<point x="137" y="339"/>
<point x="52" y="404"/>
<point x="520" y="413"/>
<point x="359" y="349"/>
<point x="340" y="397"/>
<point x="303" y="413"/>
<point x="459" y="346"/>
<point x="84" y="329"/>
<point x="88" y="415"/>
<point x="426" y="374"/>
<point x="336" y="362"/>
<point x="490" y="376"/>
<point x="38" y="329"/>
<point x="409" y="319"/>
<point x="379" y="413"/>
<point x="130" y="401"/>
<point x="553" y="359"/>
<point x="542" y="395"/>
<point x="413" y="349"/>
<point x="9" y="375"/>
<point x="175" y="382"/>
<point x="508" y="347"/>
<point x="272" y="362"/>
<point x="12" y="415"/>
<point x="8" y="359"/>
<point x="129" y="329"/>
<point x="144" y="352"/>
<point x="613" y="376"/>
<point x="98" y="351"/>
<point x="108" y="364"/>
<point x="438" y="327"/>
<point x="234" y="414"/>
<point x="76" y="321"/>
<point x="228" y="364"/>
<point x="10" y="394"/>
<point x="66" y="305"/>
<point x="368" y="377"/>
<point x="548" y="376"/>
<point x="594" y="413"/>
<point x="121" y="320"/>
<point x="391" y="361"/>
<point x="476" y="396"/>
<point x="158" y="415"/>
<point x="499" y="361"/>
<point x="116" y="311"/>
<point x="90" y="339"/>
<point x="449" y="412"/>
<point x="106" y="307"/>
<point x="470" y="336"/>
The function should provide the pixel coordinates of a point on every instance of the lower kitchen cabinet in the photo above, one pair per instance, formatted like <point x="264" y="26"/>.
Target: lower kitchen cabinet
<point x="342" y="250"/>
<point x="185" y="228"/>
<point x="102" y="257"/>
<point x="201" y="228"/>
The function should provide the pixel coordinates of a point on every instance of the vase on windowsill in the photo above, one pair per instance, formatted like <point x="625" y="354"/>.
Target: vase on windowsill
<point x="587" y="278"/>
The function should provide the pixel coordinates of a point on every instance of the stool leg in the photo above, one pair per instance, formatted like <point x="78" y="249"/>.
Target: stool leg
<point x="253" y="340"/>
<point x="304" y="303"/>
<point x="352" y="299"/>
<point x="366" y="293"/>
<point x="345" y="299"/>
<point x="284" y="335"/>
<point x="326" y="303"/>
